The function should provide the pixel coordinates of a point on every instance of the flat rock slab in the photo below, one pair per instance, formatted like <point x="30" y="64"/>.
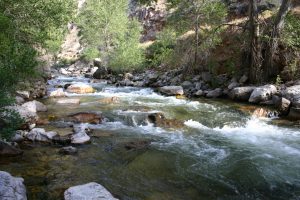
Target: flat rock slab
<point x="89" y="191"/>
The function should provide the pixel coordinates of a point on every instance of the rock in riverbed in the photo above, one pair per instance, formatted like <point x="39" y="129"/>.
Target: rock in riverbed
<point x="86" y="117"/>
<point x="8" y="150"/>
<point x="92" y="191"/>
<point x="80" y="88"/>
<point x="80" y="136"/>
<point x="68" y="150"/>
<point x="171" y="90"/>
<point x="11" y="188"/>
<point x="35" y="106"/>
<point x="263" y="93"/>
<point x="241" y="93"/>
<point x="40" y="135"/>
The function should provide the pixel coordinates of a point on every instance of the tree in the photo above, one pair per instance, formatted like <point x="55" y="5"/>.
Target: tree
<point x="205" y="18"/>
<point x="25" y="26"/>
<point x="255" y="56"/>
<point x="272" y="45"/>
<point x="107" y="28"/>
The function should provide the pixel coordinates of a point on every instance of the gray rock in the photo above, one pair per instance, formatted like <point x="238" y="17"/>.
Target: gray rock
<point x="80" y="136"/>
<point x="241" y="93"/>
<point x="19" y="100"/>
<point x="214" y="93"/>
<point x="63" y="71"/>
<point x="28" y="116"/>
<point x="187" y="85"/>
<point x="292" y="93"/>
<point x="17" y="138"/>
<point x="40" y="135"/>
<point x="243" y="79"/>
<point x="23" y="94"/>
<point x="35" y="106"/>
<point x="282" y="104"/>
<point x="90" y="191"/>
<point x="199" y="93"/>
<point x="68" y="150"/>
<point x="263" y="93"/>
<point x="8" y="150"/>
<point x="198" y="85"/>
<point x="11" y="188"/>
<point x="171" y="90"/>
<point x="57" y="93"/>
<point x="233" y="85"/>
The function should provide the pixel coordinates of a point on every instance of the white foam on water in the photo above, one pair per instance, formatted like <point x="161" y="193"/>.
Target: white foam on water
<point x="194" y="124"/>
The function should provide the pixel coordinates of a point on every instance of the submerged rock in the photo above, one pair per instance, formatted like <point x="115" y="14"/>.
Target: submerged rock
<point x="93" y="191"/>
<point x="8" y="150"/>
<point x="62" y="140"/>
<point x="80" y="88"/>
<point x="137" y="145"/>
<point x="264" y="113"/>
<point x="263" y="93"/>
<point x="109" y="100"/>
<point x="171" y="90"/>
<point x="86" y="117"/>
<point x="69" y="101"/>
<point x="68" y="150"/>
<point x="158" y="119"/>
<point x="11" y="188"/>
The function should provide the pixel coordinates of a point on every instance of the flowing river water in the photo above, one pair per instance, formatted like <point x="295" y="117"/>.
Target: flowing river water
<point x="220" y="152"/>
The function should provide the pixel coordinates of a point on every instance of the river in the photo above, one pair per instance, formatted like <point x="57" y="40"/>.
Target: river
<point x="220" y="152"/>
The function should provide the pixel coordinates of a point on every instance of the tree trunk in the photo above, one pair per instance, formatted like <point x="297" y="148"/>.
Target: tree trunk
<point x="197" y="41"/>
<point x="255" y="45"/>
<point x="271" y="48"/>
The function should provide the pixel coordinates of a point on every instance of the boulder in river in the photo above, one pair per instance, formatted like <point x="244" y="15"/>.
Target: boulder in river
<point x="57" y="93"/>
<point x="40" y="135"/>
<point x="91" y="191"/>
<point x="80" y="136"/>
<point x="35" y="106"/>
<point x="263" y="113"/>
<point x="8" y="150"/>
<point x="241" y="93"/>
<point x="80" y="88"/>
<point x="262" y="94"/>
<point x="214" y="93"/>
<point x="86" y="117"/>
<point x="109" y="100"/>
<point x="11" y="188"/>
<point x="282" y="104"/>
<point x="158" y="119"/>
<point x="69" y="150"/>
<point x="28" y="116"/>
<point x="137" y="145"/>
<point x="171" y="90"/>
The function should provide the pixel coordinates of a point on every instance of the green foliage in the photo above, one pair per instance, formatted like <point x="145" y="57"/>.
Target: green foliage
<point x="26" y="25"/>
<point x="163" y="49"/>
<point x="204" y="18"/>
<point x="291" y="32"/>
<point x="278" y="80"/>
<point x="106" y="27"/>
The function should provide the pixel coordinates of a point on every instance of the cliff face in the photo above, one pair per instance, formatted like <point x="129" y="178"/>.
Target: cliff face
<point x="152" y="17"/>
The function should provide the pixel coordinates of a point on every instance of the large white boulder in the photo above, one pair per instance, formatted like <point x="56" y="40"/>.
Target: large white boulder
<point x="57" y="93"/>
<point x="263" y="93"/>
<point x="11" y="188"/>
<point x="89" y="191"/>
<point x="35" y="106"/>
<point x="241" y="93"/>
